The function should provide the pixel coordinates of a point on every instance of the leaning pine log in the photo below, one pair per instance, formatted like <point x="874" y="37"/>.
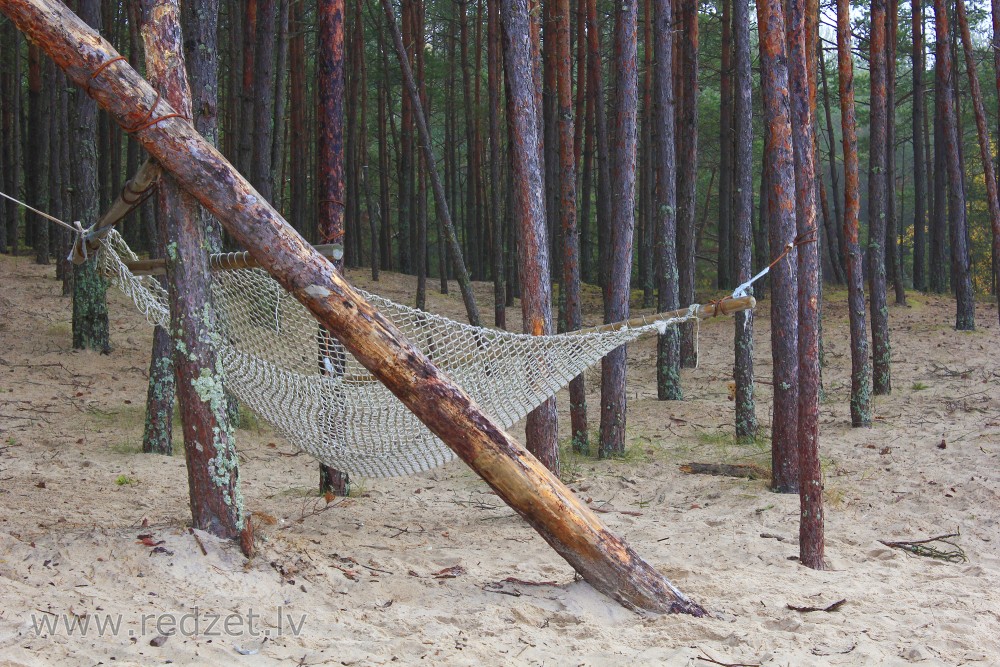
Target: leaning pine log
<point x="575" y="532"/>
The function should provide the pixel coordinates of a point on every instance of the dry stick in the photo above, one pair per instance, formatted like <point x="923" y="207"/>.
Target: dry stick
<point x="919" y="548"/>
<point x="602" y="558"/>
<point x="439" y="197"/>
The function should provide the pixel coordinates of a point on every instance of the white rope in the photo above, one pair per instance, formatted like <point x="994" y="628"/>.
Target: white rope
<point x="82" y="235"/>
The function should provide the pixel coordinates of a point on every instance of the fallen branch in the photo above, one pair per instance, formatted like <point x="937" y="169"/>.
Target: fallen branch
<point x="832" y="607"/>
<point x="921" y="548"/>
<point x="743" y="470"/>
<point x="704" y="658"/>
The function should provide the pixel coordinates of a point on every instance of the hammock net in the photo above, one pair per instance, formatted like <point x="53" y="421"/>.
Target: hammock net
<point x="287" y="369"/>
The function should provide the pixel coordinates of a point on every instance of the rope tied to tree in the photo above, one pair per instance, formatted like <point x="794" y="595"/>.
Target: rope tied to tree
<point x="808" y="236"/>
<point x="82" y="235"/>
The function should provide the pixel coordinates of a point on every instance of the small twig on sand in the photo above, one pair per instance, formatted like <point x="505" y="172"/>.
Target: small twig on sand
<point x="830" y="607"/>
<point x="704" y="658"/>
<point x="204" y="552"/>
<point x="922" y="548"/>
<point x="744" y="470"/>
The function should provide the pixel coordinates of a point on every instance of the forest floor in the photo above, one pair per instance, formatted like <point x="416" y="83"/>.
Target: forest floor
<point x="435" y="569"/>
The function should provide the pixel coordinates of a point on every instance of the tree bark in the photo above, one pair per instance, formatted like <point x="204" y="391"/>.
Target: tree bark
<point x="965" y="317"/>
<point x="747" y="426"/>
<point x="569" y="290"/>
<point x="725" y="232"/>
<point x="90" y="307"/>
<point x="493" y="84"/>
<point x="861" y="398"/>
<point x="802" y="104"/>
<point x="617" y="287"/>
<point x="209" y="442"/>
<point x="837" y="232"/>
<point x="877" y="207"/>
<point x="781" y="211"/>
<point x="687" y="178"/>
<point x="529" y="208"/>
<point x="892" y="248"/>
<point x="919" y="172"/>
<point x="330" y="177"/>
<point x="668" y="381"/>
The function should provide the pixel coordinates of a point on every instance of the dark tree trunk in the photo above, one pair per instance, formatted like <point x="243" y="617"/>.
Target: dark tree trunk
<point x="245" y="125"/>
<point x="746" y="414"/>
<point x="861" y="398"/>
<point x="782" y="228"/>
<point x="725" y="231"/>
<point x="618" y="284"/>
<point x="529" y="209"/>
<point x="12" y="127"/>
<point x="939" y="269"/>
<point x="298" y="111"/>
<point x="965" y="317"/>
<point x="90" y="307"/>
<point x="209" y="442"/>
<point x="263" y="99"/>
<point x="892" y="250"/>
<point x="687" y="178"/>
<point x="330" y="174"/>
<point x="493" y="84"/>
<point x="570" y="288"/>
<point x="877" y="206"/>
<point x="280" y="105"/>
<point x="37" y="171"/>
<point x="802" y="97"/>
<point x="596" y="90"/>
<point x="837" y="231"/>
<point x="919" y="172"/>
<point x="668" y="379"/>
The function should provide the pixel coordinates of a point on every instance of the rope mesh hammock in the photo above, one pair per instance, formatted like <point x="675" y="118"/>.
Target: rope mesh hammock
<point x="289" y="371"/>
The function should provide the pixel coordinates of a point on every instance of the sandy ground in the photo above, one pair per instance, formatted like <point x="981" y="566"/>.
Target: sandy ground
<point x="415" y="570"/>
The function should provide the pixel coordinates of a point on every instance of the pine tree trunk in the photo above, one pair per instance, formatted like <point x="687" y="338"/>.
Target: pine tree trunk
<point x="919" y="172"/>
<point x="838" y="226"/>
<point x="687" y="178"/>
<point x="861" y="398"/>
<point x="747" y="426"/>
<point x="802" y="20"/>
<point x="965" y="316"/>
<point x="570" y="288"/>
<point x="90" y="307"/>
<point x="668" y="380"/>
<point x="209" y="442"/>
<point x="617" y="288"/>
<point x="725" y="231"/>
<point x="39" y="100"/>
<point x="893" y="254"/>
<point x="330" y="177"/>
<point x="877" y="206"/>
<point x="782" y="229"/>
<point x="939" y="270"/>
<point x="493" y="84"/>
<point x="529" y="208"/>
